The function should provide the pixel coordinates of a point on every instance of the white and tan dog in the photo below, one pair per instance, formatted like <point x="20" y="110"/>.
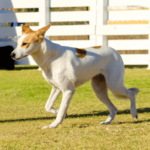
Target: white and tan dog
<point x="66" y="68"/>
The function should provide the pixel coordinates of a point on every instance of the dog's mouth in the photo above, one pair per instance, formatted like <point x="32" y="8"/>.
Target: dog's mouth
<point x="20" y="58"/>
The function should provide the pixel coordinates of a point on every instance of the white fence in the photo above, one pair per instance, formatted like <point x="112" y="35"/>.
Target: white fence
<point x="105" y="17"/>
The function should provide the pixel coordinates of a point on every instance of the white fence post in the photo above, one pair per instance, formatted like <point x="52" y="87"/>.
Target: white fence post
<point x="44" y="13"/>
<point x="102" y="17"/>
<point x="149" y="46"/>
<point x="93" y="10"/>
<point x="149" y="52"/>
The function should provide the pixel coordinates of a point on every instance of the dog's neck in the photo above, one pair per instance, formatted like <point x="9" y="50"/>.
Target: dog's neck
<point x="47" y="50"/>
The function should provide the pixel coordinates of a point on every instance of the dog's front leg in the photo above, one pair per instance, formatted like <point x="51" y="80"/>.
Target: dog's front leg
<point x="67" y="96"/>
<point x="51" y="100"/>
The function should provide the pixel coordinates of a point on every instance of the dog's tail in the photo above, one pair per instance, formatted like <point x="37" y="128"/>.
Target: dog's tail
<point x="130" y="91"/>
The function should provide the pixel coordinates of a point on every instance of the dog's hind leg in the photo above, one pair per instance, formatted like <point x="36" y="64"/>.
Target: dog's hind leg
<point x="115" y="82"/>
<point x="100" y="88"/>
<point x="122" y="92"/>
<point x="51" y="100"/>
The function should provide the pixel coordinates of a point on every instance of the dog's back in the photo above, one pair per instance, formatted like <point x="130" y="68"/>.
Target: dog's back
<point x="83" y="64"/>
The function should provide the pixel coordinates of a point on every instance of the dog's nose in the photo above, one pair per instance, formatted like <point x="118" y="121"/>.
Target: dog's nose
<point x="12" y="55"/>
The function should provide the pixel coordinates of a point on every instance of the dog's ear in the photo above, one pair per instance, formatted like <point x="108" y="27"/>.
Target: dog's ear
<point x="26" y="29"/>
<point x="41" y="32"/>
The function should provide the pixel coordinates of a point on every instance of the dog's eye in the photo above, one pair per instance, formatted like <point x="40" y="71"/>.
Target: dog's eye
<point x="24" y="44"/>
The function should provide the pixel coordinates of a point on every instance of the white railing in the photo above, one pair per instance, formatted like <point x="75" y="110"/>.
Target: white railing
<point x="105" y="17"/>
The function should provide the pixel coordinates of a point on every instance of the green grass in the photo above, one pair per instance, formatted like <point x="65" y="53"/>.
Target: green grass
<point x="23" y="94"/>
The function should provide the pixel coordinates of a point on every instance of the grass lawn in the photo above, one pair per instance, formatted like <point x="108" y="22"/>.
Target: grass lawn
<point x="23" y="94"/>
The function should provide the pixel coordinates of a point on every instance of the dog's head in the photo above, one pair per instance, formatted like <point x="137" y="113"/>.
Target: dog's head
<point x="29" y="42"/>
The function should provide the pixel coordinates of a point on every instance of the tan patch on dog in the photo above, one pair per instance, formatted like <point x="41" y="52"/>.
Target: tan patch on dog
<point x="26" y="29"/>
<point x="96" y="47"/>
<point x="81" y="53"/>
<point x="34" y="36"/>
<point x="100" y="82"/>
<point x="31" y="38"/>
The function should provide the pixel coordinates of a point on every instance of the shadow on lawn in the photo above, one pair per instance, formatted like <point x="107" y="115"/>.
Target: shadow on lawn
<point x="95" y="113"/>
<point x="25" y="67"/>
<point x="133" y="122"/>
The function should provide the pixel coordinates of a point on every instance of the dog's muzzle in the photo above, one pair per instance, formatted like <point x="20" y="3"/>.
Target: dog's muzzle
<point x="12" y="55"/>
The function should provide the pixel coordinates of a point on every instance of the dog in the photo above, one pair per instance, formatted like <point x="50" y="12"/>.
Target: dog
<point x="66" y="68"/>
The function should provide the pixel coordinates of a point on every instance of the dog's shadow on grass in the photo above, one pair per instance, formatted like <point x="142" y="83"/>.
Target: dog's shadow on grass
<point x="94" y="113"/>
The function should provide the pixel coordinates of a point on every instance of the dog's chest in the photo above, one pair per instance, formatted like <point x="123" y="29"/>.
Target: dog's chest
<point x="49" y="80"/>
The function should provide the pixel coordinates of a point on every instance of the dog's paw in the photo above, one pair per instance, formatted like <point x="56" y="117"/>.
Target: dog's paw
<point x="134" y="114"/>
<point x="136" y="117"/>
<point x="45" y="127"/>
<point x="53" y="111"/>
<point x="104" y="123"/>
<point x="53" y="125"/>
<point x="108" y="121"/>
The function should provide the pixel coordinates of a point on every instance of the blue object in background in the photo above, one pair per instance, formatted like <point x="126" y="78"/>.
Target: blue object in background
<point x="12" y="24"/>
